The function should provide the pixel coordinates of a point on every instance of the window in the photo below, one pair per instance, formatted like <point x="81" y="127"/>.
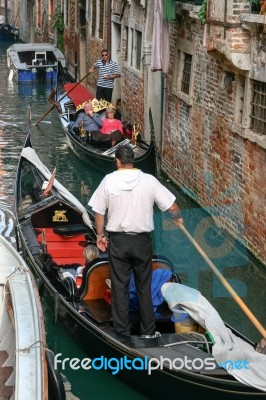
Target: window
<point x="258" y="111"/>
<point x="183" y="71"/>
<point x="125" y="46"/>
<point x="97" y="18"/>
<point x="101" y="19"/>
<point x="186" y="76"/>
<point x="93" y="17"/>
<point x="250" y="110"/>
<point x="133" y="52"/>
<point x="138" y="49"/>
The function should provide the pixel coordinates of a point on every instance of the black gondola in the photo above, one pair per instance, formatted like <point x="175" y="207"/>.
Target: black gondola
<point x="8" y="32"/>
<point x="69" y="97"/>
<point x="54" y="228"/>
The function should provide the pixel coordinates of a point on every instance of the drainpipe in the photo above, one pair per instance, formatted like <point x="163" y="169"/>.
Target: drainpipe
<point x="109" y="27"/>
<point x="163" y="89"/>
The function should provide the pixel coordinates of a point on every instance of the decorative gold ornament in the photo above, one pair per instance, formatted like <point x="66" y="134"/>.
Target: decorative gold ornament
<point x="97" y="105"/>
<point x="59" y="216"/>
<point x="82" y="130"/>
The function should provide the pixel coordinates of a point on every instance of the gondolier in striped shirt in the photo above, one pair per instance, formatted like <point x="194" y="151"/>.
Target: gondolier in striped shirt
<point x="107" y="72"/>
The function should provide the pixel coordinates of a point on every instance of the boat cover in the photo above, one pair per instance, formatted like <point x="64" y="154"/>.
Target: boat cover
<point x="227" y="346"/>
<point x="30" y="155"/>
<point x="79" y="94"/>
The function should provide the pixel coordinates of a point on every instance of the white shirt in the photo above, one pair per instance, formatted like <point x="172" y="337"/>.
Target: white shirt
<point x="129" y="196"/>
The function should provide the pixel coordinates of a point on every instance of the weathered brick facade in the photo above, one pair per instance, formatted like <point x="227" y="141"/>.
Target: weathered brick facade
<point x="202" y="152"/>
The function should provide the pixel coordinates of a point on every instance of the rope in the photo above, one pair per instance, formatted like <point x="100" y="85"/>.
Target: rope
<point x="19" y="269"/>
<point x="191" y="341"/>
<point x="28" y="348"/>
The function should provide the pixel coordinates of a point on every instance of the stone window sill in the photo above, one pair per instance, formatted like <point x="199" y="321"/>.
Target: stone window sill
<point x="247" y="133"/>
<point x="184" y="97"/>
<point x="250" y="19"/>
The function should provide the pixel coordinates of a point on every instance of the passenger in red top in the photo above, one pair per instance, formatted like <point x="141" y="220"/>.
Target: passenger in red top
<point x="112" y="126"/>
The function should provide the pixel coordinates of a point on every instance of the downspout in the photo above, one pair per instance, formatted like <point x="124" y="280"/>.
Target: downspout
<point x="109" y="26"/>
<point x="163" y="89"/>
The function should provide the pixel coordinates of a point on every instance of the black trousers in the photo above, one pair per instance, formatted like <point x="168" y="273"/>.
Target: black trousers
<point x="129" y="253"/>
<point x="103" y="93"/>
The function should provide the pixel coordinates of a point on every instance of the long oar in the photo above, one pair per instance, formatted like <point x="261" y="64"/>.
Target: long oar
<point x="66" y="94"/>
<point x="235" y="296"/>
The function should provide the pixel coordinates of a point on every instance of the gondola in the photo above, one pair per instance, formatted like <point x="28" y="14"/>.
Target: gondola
<point x="26" y="365"/>
<point x="54" y="228"/>
<point x="8" y="32"/>
<point x="68" y="99"/>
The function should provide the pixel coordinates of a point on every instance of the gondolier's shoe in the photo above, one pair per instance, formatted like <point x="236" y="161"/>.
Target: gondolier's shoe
<point x="155" y="335"/>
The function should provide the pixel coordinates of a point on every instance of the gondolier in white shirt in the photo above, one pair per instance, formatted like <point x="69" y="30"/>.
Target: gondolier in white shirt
<point x="129" y="196"/>
<point x="107" y="72"/>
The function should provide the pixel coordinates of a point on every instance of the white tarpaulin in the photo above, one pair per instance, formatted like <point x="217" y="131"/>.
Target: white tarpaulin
<point x="30" y="154"/>
<point x="227" y="346"/>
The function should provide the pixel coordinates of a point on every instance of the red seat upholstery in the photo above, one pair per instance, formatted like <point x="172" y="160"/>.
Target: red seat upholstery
<point x="64" y="250"/>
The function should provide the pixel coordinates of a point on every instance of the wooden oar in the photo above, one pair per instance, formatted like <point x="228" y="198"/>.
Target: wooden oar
<point x="235" y="296"/>
<point x="66" y="94"/>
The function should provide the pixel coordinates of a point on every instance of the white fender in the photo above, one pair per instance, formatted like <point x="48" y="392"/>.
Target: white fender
<point x="11" y="74"/>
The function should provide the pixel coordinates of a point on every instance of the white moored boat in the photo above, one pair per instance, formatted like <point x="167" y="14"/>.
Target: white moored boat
<point x="24" y="369"/>
<point x="31" y="62"/>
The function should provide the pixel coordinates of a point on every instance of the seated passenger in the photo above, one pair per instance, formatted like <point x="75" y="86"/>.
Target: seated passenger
<point x="90" y="253"/>
<point x="88" y="120"/>
<point x="111" y="126"/>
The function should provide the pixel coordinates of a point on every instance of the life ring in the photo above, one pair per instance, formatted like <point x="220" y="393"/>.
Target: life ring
<point x="55" y="381"/>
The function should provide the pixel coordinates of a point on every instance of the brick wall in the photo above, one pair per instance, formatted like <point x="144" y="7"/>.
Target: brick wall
<point x="202" y="155"/>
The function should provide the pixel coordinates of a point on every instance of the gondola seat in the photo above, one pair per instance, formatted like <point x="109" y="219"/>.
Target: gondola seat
<point x="93" y="290"/>
<point x="66" y="247"/>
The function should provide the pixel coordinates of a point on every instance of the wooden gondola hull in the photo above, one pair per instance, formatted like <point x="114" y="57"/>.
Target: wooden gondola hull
<point x="69" y="99"/>
<point x="106" y="164"/>
<point x="98" y="338"/>
<point x="96" y="343"/>
<point x="8" y="32"/>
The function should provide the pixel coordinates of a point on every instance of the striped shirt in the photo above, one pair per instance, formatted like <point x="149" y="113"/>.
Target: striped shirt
<point x="109" y="68"/>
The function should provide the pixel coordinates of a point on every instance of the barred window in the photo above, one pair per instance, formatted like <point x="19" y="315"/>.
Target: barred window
<point x="93" y="17"/>
<point x="185" y="81"/>
<point x="101" y="19"/>
<point x="126" y="43"/>
<point x="97" y="18"/>
<point x="134" y="48"/>
<point x="258" y="113"/>
<point x="182" y="78"/>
